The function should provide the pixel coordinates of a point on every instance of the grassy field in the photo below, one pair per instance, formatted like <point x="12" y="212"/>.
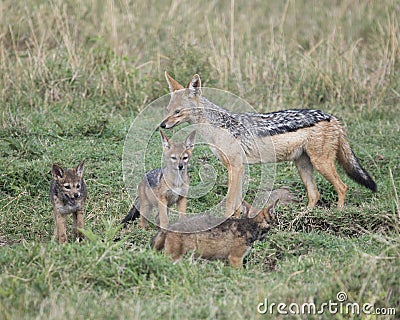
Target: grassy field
<point x="73" y="77"/>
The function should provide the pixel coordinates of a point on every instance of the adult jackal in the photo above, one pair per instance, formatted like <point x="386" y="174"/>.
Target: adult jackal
<point x="310" y="138"/>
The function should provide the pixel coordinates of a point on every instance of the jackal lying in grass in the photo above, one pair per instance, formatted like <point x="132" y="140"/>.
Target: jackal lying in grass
<point x="218" y="238"/>
<point x="310" y="138"/>
<point x="68" y="195"/>
<point x="163" y="187"/>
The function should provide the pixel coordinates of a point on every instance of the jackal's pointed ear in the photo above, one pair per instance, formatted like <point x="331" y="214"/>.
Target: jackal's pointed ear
<point x="194" y="85"/>
<point x="57" y="172"/>
<point x="166" y="142"/>
<point x="79" y="168"/>
<point x="189" y="141"/>
<point x="269" y="212"/>
<point x="172" y="83"/>
<point x="246" y="207"/>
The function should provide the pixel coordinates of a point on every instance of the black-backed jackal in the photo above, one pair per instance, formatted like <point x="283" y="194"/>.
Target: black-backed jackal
<point x="310" y="138"/>
<point x="218" y="238"/>
<point x="164" y="187"/>
<point x="68" y="195"/>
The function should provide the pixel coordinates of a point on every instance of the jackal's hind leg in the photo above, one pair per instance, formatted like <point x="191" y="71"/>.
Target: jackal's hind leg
<point x="327" y="168"/>
<point x="306" y="171"/>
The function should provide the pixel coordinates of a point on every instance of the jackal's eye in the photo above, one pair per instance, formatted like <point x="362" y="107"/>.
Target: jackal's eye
<point x="177" y="111"/>
<point x="173" y="158"/>
<point x="185" y="158"/>
<point x="67" y="186"/>
<point x="78" y="186"/>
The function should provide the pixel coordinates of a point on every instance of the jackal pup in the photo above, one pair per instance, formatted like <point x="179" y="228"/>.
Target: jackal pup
<point x="219" y="238"/>
<point x="68" y="195"/>
<point x="164" y="187"/>
<point x="311" y="139"/>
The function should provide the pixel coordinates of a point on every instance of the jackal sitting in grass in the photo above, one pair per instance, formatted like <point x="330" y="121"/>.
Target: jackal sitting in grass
<point x="311" y="138"/>
<point x="68" y="195"/>
<point x="218" y="238"/>
<point x="164" y="187"/>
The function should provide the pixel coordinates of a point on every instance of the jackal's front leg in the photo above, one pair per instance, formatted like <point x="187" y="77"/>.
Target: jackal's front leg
<point x="60" y="229"/>
<point x="78" y="222"/>
<point x="234" y="195"/>
<point x="236" y="256"/>
<point x="163" y="212"/>
<point x="55" y="226"/>
<point x="181" y="206"/>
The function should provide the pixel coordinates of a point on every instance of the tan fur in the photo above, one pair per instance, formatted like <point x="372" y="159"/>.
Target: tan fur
<point x="68" y="195"/>
<point x="218" y="239"/>
<point x="314" y="147"/>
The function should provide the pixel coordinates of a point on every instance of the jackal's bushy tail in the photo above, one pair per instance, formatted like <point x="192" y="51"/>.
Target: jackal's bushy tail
<point x="132" y="215"/>
<point x="348" y="160"/>
<point x="158" y="241"/>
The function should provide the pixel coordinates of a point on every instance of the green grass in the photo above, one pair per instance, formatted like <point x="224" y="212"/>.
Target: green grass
<point x="74" y="77"/>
